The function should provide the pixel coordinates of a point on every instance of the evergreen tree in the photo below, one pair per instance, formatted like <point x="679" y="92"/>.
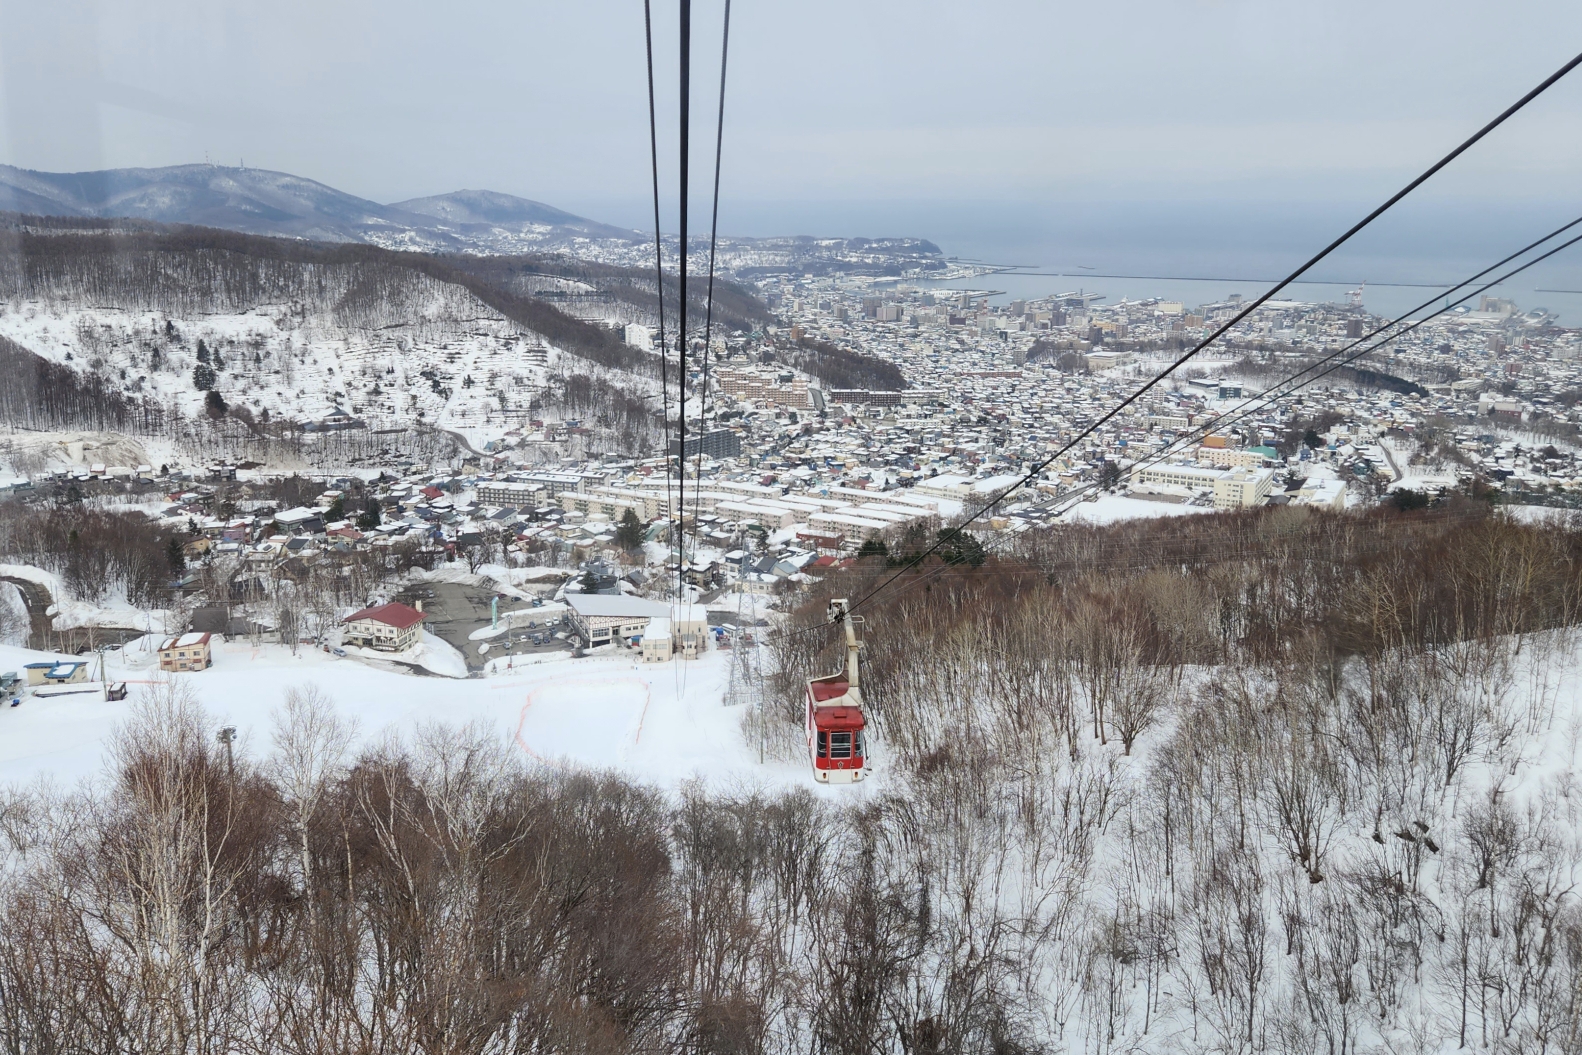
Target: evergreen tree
<point x="629" y="532"/>
<point x="203" y="377"/>
<point x="336" y="511"/>
<point x="215" y="405"/>
<point x="873" y="546"/>
<point x="368" y="519"/>
<point x="175" y="556"/>
<point x="958" y="547"/>
<point x="203" y="351"/>
<point x="589" y="582"/>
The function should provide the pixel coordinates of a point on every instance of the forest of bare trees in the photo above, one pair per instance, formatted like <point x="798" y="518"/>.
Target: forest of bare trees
<point x="1290" y="781"/>
<point x="38" y="394"/>
<point x="1284" y="781"/>
<point x="192" y="272"/>
<point x="840" y="367"/>
<point x="95" y="551"/>
<point x="185" y="270"/>
<point x="735" y="308"/>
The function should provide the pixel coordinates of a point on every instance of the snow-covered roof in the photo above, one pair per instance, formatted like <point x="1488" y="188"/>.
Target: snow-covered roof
<point x="612" y="606"/>
<point x="188" y="640"/>
<point x="393" y="614"/>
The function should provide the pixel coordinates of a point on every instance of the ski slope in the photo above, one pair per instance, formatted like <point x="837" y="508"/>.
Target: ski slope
<point x="661" y="723"/>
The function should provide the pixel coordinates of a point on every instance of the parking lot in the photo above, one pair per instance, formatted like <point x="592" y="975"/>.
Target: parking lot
<point x="454" y="612"/>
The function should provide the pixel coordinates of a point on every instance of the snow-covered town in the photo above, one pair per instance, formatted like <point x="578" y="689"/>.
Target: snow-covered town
<point x="1011" y="529"/>
<point x="508" y="555"/>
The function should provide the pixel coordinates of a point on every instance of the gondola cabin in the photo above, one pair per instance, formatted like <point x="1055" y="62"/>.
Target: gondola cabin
<point x="836" y="726"/>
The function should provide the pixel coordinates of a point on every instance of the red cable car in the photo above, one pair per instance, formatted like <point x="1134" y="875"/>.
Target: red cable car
<point x="835" y="723"/>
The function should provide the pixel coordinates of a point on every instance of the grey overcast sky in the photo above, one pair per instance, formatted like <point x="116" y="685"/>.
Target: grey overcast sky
<point x="836" y="109"/>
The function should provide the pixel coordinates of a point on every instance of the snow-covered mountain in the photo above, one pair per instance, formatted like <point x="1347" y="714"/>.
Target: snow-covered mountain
<point x="258" y="201"/>
<point x="469" y="208"/>
<point x="291" y="333"/>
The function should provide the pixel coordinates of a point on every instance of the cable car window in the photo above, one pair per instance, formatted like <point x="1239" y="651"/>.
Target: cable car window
<point x="857" y="745"/>
<point x="840" y="745"/>
<point x="823" y="744"/>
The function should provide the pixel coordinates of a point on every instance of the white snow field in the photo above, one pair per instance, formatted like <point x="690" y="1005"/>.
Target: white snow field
<point x="663" y="723"/>
<point x="1109" y="509"/>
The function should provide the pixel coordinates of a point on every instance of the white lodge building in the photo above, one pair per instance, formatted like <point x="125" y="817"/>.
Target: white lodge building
<point x="602" y="618"/>
<point x="392" y="627"/>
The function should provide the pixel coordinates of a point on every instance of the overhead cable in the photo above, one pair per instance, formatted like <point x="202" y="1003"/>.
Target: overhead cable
<point x="659" y="261"/>
<point x="1465" y="145"/>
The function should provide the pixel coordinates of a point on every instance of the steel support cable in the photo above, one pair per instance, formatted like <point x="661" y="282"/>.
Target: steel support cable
<point x="945" y="573"/>
<point x="714" y="228"/>
<point x="1265" y="400"/>
<point x="708" y="316"/>
<point x="1464" y="146"/>
<point x="681" y="331"/>
<point x="1227" y="542"/>
<point x="659" y="260"/>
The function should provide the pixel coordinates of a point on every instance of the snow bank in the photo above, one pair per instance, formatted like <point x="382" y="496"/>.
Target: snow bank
<point x="38" y="576"/>
<point x="430" y="653"/>
<point x="519" y="617"/>
<point x="68" y="614"/>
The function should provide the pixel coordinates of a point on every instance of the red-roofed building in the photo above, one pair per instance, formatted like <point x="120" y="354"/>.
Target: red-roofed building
<point x="392" y="627"/>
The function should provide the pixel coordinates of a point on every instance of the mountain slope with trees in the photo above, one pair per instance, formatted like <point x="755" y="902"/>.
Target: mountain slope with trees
<point x="290" y="331"/>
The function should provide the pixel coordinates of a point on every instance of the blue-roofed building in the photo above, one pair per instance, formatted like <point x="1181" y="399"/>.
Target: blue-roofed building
<point x="61" y="672"/>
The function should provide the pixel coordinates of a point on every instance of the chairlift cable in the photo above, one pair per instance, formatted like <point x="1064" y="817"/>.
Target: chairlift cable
<point x="1268" y="295"/>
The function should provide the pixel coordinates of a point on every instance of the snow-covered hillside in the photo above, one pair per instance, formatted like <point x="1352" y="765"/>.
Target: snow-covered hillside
<point x="291" y="335"/>
<point x="445" y="360"/>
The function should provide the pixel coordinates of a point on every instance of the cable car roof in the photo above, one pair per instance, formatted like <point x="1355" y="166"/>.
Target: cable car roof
<point x="838" y="719"/>
<point x="829" y="688"/>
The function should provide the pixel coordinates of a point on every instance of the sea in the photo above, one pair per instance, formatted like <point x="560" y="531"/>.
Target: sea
<point x="1201" y="252"/>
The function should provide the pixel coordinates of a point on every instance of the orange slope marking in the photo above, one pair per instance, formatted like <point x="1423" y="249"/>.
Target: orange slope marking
<point x="532" y="698"/>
